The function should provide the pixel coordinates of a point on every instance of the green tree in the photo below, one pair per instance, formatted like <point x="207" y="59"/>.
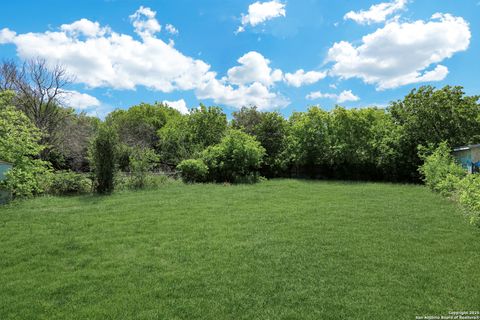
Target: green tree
<point x="429" y="116"/>
<point x="272" y="133"/>
<point x="308" y="141"/>
<point x="186" y="136"/>
<point x="40" y="93"/>
<point x="103" y="153"/>
<point x="142" y="162"/>
<point x="207" y="125"/>
<point x="247" y="119"/>
<point x="385" y="146"/>
<point x="238" y="156"/>
<point x="138" y="126"/>
<point x="19" y="144"/>
<point x="177" y="141"/>
<point x="70" y="149"/>
<point x="354" y="140"/>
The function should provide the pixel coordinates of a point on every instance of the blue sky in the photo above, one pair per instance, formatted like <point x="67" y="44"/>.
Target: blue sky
<point x="352" y="53"/>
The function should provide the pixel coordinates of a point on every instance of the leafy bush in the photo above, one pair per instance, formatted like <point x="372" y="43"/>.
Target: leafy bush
<point x="443" y="175"/>
<point x="193" y="170"/>
<point x="238" y="155"/>
<point x="142" y="161"/>
<point x="440" y="171"/>
<point x="185" y="136"/>
<point x="19" y="144"/>
<point x="68" y="183"/>
<point x="103" y="153"/>
<point x="124" y="152"/>
<point x="469" y="197"/>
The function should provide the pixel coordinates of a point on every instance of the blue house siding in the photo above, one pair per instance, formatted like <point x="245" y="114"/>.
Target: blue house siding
<point x="468" y="157"/>
<point x="4" y="167"/>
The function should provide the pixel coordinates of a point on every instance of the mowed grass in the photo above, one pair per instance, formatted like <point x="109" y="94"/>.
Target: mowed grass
<point x="282" y="249"/>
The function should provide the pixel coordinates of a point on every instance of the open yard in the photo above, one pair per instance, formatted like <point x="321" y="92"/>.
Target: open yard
<point x="282" y="249"/>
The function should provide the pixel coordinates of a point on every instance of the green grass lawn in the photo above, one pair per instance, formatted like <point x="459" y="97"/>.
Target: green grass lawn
<point x="282" y="249"/>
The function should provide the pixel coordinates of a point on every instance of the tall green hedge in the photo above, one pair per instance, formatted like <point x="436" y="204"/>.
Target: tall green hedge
<point x="103" y="153"/>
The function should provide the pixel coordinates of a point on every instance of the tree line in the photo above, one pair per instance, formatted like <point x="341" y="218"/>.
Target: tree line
<point x="356" y="144"/>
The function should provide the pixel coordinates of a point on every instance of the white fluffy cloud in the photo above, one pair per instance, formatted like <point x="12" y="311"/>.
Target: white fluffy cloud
<point x="179" y="105"/>
<point x="171" y="29"/>
<point x="144" y="22"/>
<point x="7" y="36"/>
<point x="300" y="77"/>
<point x="79" y="101"/>
<point x="376" y="13"/>
<point x="402" y="53"/>
<point x="255" y="94"/>
<point x="84" y="27"/>
<point x="344" y="96"/>
<point x="347" y="95"/>
<point x="100" y="57"/>
<point x="260" y="12"/>
<point x="246" y="84"/>
<point x="253" y="67"/>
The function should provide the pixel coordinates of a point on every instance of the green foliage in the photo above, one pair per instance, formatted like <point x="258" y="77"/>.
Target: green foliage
<point x="72" y="140"/>
<point x="439" y="170"/>
<point x="365" y="143"/>
<point x="272" y="133"/>
<point x="443" y="175"/>
<point x="138" y="126"/>
<point x="103" y="154"/>
<point x="344" y="144"/>
<point x="124" y="152"/>
<point x="19" y="144"/>
<point x="238" y="155"/>
<point x="247" y="119"/>
<point x="193" y="170"/>
<point x="207" y="125"/>
<point x="429" y="116"/>
<point x="6" y="98"/>
<point x="186" y="136"/>
<point x="68" y="183"/>
<point x="468" y="194"/>
<point x="142" y="162"/>
<point x="176" y="141"/>
<point x="308" y="141"/>
<point x="270" y="129"/>
<point x="385" y="145"/>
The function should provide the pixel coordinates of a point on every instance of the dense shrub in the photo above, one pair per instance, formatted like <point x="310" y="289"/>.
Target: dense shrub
<point x="138" y="125"/>
<point x="68" y="183"/>
<point x="468" y="195"/>
<point x="193" y="170"/>
<point x="142" y="161"/>
<point x="238" y="155"/>
<point x="270" y="129"/>
<point x="19" y="144"/>
<point x="443" y="175"/>
<point x="184" y="137"/>
<point x="440" y="171"/>
<point x="103" y="153"/>
<point x="428" y="116"/>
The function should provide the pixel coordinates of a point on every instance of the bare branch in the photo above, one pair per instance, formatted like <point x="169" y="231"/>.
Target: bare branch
<point x="39" y="89"/>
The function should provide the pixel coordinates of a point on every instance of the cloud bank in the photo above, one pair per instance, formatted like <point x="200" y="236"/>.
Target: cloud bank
<point x="402" y="53"/>
<point x="260" y="12"/>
